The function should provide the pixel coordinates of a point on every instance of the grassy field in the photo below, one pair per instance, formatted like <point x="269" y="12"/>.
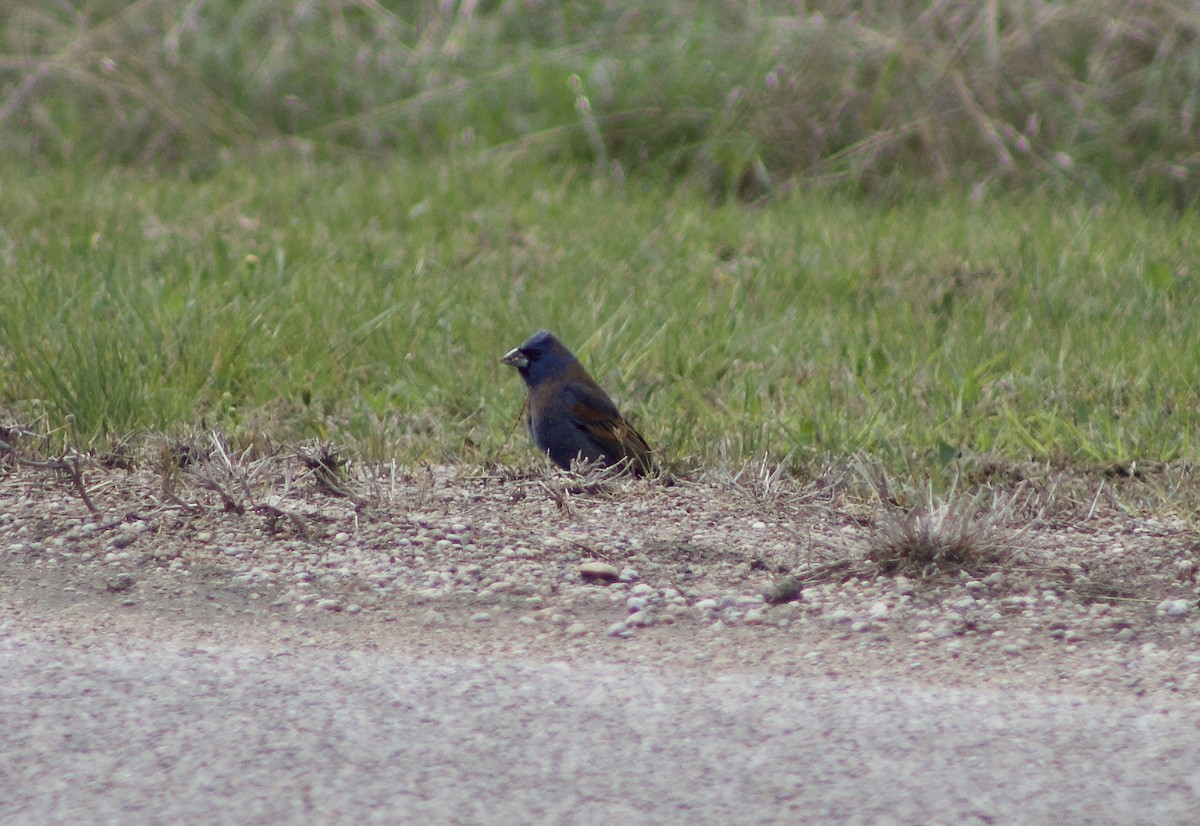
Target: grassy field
<point x="922" y="274"/>
<point x="370" y="303"/>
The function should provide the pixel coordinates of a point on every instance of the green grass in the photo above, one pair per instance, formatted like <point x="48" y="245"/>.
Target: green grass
<point x="370" y="302"/>
<point x="864" y="229"/>
<point x="873" y="96"/>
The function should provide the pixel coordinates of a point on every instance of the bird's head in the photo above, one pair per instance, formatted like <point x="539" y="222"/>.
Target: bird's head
<point x="542" y="356"/>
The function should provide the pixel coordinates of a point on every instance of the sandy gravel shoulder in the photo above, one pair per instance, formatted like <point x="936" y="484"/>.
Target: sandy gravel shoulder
<point x="449" y="562"/>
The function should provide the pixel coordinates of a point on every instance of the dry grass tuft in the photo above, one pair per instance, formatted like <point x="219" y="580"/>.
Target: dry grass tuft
<point x="328" y="466"/>
<point x="942" y="539"/>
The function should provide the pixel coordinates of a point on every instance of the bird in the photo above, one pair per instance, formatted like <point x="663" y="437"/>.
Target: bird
<point x="568" y="415"/>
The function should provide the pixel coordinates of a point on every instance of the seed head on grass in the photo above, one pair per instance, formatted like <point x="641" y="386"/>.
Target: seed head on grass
<point x="943" y="539"/>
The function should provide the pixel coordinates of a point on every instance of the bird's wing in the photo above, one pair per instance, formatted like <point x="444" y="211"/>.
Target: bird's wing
<point x="599" y="419"/>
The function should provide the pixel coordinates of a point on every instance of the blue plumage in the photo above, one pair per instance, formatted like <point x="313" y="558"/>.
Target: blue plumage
<point x="567" y="413"/>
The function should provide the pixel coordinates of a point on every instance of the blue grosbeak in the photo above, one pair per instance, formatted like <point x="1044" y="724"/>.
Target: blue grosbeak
<point x="567" y="413"/>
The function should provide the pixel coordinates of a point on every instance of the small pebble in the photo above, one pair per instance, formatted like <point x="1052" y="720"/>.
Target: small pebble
<point x="782" y="590"/>
<point x="1174" y="608"/>
<point x="639" y="619"/>
<point x="599" y="572"/>
<point x="618" y="629"/>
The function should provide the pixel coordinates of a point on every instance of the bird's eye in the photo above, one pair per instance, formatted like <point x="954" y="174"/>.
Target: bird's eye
<point x="532" y="354"/>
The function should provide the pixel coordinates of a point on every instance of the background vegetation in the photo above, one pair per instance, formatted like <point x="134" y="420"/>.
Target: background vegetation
<point x="741" y="95"/>
<point x="916" y="231"/>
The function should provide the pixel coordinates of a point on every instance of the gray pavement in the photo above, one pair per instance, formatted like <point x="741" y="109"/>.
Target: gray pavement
<point x="138" y="731"/>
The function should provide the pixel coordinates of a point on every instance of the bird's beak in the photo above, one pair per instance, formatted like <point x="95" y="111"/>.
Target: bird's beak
<point x="515" y="358"/>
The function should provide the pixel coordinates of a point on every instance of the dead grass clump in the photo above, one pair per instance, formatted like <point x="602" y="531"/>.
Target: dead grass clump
<point x="327" y="465"/>
<point x="942" y="539"/>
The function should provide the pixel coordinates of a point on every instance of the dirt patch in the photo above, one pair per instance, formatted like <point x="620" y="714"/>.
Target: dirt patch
<point x="455" y="560"/>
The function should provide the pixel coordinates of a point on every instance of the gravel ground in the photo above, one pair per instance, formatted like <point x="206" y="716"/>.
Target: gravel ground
<point x="451" y="575"/>
<point x="1104" y="602"/>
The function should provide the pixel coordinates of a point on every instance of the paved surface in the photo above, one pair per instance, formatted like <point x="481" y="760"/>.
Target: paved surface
<point x="435" y="657"/>
<point x="142" y="731"/>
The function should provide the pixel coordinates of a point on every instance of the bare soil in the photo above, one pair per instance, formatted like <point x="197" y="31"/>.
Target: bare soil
<point x="1085" y="597"/>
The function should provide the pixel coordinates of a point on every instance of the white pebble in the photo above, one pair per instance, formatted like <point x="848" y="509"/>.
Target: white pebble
<point x="640" y="619"/>
<point x="617" y="629"/>
<point x="599" y="571"/>
<point x="1174" y="608"/>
